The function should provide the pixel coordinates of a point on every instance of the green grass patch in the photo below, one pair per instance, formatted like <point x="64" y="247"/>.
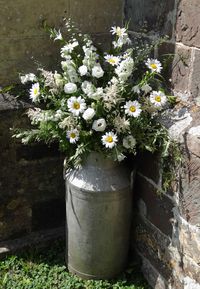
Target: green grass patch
<point x="46" y="269"/>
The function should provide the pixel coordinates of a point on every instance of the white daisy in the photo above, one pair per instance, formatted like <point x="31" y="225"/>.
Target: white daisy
<point x="120" y="32"/>
<point x="73" y="135"/>
<point x="158" y="98"/>
<point x="35" y="92"/>
<point x="129" y="142"/>
<point x="132" y="108"/>
<point x="76" y="105"/>
<point x="109" y="139"/>
<point x="99" y="124"/>
<point x="154" y="65"/>
<point x="113" y="60"/>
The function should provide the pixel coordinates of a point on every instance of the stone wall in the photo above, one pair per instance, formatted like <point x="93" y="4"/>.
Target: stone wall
<point x="166" y="235"/>
<point x="32" y="198"/>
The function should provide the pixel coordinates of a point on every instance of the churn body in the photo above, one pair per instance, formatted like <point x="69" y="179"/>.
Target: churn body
<point x="98" y="206"/>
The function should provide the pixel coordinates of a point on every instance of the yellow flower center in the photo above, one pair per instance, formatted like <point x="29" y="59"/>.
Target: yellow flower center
<point x="72" y="135"/>
<point x="119" y="32"/>
<point x="154" y="66"/>
<point x="158" y="98"/>
<point x="35" y="91"/>
<point x="109" y="139"/>
<point x="112" y="61"/>
<point x="76" y="105"/>
<point x="132" y="108"/>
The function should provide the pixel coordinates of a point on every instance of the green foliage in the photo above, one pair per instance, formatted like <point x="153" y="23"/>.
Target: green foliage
<point x="45" y="269"/>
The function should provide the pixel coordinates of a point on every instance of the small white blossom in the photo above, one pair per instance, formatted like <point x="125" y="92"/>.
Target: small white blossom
<point x="136" y="89"/>
<point x="132" y="108"/>
<point x="146" y="88"/>
<point x="68" y="48"/>
<point x="67" y="122"/>
<point x="97" y="94"/>
<point x="120" y="157"/>
<point x="99" y="124"/>
<point x="87" y="87"/>
<point x="58" y="79"/>
<point x="125" y="68"/>
<point x="28" y="77"/>
<point x="83" y="70"/>
<point x="58" y="36"/>
<point x="73" y="135"/>
<point x="70" y="88"/>
<point x="120" y="32"/>
<point x="97" y="71"/>
<point x="154" y="65"/>
<point x="129" y="142"/>
<point x="88" y="113"/>
<point x="158" y="98"/>
<point x="58" y="115"/>
<point x="35" y="92"/>
<point x="113" y="60"/>
<point x="76" y="105"/>
<point x="121" y="124"/>
<point x="109" y="139"/>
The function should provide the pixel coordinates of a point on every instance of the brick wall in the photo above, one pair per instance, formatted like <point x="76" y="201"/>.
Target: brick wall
<point x="32" y="195"/>
<point x="166" y="235"/>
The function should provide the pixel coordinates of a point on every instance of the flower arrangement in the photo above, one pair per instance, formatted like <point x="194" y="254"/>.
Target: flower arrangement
<point x="99" y="101"/>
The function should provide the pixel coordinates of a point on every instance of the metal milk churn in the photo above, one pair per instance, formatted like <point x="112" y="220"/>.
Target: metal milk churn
<point x="98" y="206"/>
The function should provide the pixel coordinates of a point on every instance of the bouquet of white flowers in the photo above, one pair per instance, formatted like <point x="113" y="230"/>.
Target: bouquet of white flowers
<point x="108" y="102"/>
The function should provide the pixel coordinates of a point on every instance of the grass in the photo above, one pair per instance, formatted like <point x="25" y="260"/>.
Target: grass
<point x="46" y="269"/>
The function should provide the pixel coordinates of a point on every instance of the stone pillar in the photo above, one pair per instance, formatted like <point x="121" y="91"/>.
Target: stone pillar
<point x="167" y="231"/>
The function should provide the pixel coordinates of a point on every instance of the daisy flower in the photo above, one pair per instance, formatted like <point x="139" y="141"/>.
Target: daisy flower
<point x="113" y="60"/>
<point x="76" y="105"/>
<point x="132" y="108"/>
<point x="120" y="32"/>
<point x="154" y="65"/>
<point x="158" y="98"/>
<point x="109" y="139"/>
<point x="73" y="135"/>
<point x="35" y="92"/>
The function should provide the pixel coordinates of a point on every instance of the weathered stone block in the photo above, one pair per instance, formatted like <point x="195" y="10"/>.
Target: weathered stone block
<point x="16" y="218"/>
<point x="148" y="164"/>
<point x="158" y="208"/>
<point x="97" y="17"/>
<point x="187" y="27"/>
<point x="190" y="199"/>
<point x="19" y="56"/>
<point x="25" y="41"/>
<point x="194" y="85"/>
<point x="22" y="19"/>
<point x="153" y="245"/>
<point x="48" y="214"/>
<point x="181" y="68"/>
<point x="27" y="177"/>
<point x="151" y="16"/>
